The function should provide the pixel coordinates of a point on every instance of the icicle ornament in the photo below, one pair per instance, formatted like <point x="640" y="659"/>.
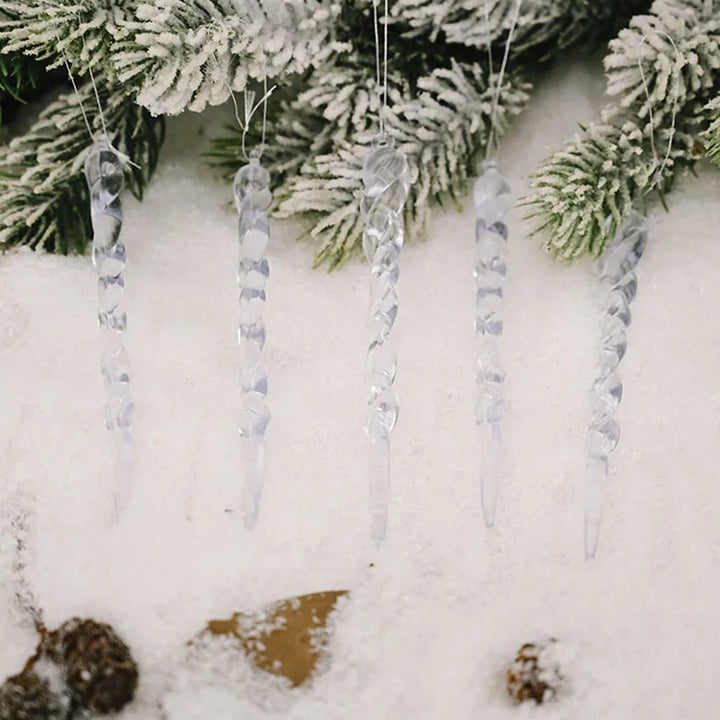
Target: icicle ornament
<point x="387" y="183"/>
<point x="251" y="189"/>
<point x="618" y="286"/>
<point x="491" y="194"/>
<point x="105" y="174"/>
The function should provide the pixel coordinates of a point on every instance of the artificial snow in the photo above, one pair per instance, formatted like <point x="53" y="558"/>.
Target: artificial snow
<point x="439" y="610"/>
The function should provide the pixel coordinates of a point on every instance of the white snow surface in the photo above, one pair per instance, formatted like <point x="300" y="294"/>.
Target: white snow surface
<point x="446" y="604"/>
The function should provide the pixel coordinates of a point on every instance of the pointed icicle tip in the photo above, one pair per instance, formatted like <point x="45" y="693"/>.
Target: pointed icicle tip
<point x="489" y="513"/>
<point x="592" y="537"/>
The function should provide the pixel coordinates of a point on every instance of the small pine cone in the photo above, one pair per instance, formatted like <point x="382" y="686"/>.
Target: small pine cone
<point x="535" y="674"/>
<point x="33" y="696"/>
<point x="99" y="668"/>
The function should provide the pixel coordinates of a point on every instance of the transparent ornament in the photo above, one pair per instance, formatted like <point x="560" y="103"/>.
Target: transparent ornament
<point x="491" y="194"/>
<point x="105" y="175"/>
<point x="251" y="190"/>
<point x="386" y="177"/>
<point x="618" y="287"/>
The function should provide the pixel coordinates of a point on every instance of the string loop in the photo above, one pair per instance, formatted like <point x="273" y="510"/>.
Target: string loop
<point x="250" y="108"/>
<point x="657" y="177"/>
<point x="496" y="99"/>
<point x="383" y="109"/>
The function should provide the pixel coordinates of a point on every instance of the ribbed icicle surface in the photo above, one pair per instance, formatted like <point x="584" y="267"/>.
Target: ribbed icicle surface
<point x="251" y="189"/>
<point x="618" y="285"/>
<point x="491" y="194"/>
<point x="105" y="173"/>
<point x="387" y="183"/>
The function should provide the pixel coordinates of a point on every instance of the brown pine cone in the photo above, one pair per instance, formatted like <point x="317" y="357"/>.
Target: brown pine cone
<point x="535" y="674"/>
<point x="98" y="666"/>
<point x="31" y="696"/>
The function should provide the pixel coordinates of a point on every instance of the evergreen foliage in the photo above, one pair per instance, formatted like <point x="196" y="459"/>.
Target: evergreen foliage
<point x="18" y="79"/>
<point x="662" y="71"/>
<point x="713" y="133"/>
<point x="45" y="196"/>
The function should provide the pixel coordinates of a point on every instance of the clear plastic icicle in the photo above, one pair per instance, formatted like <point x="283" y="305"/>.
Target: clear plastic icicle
<point x="251" y="189"/>
<point x="387" y="182"/>
<point x="618" y="285"/>
<point x="491" y="194"/>
<point x="105" y="173"/>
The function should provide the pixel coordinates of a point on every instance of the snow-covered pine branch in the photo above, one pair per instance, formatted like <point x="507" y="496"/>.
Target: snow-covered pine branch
<point x="635" y="147"/>
<point x="188" y="54"/>
<point x="175" y="54"/>
<point x="442" y="128"/>
<point x="713" y="133"/>
<point x="45" y="197"/>
<point x="541" y="22"/>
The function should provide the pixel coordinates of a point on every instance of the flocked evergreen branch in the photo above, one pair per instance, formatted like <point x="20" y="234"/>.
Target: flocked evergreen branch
<point x="45" y="197"/>
<point x="713" y="133"/>
<point x="636" y="146"/>
<point x="175" y="54"/>
<point x="18" y="79"/>
<point x="543" y="27"/>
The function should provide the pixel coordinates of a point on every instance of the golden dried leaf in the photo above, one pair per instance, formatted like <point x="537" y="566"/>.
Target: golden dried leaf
<point x="287" y="637"/>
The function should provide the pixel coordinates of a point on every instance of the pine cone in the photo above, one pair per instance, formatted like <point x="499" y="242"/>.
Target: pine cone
<point x="32" y="696"/>
<point x="535" y="674"/>
<point x="99" y="668"/>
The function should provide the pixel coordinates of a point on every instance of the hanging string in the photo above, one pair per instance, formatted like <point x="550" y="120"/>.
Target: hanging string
<point x="708" y="7"/>
<point x="250" y="109"/>
<point x="377" y="57"/>
<point x="385" y="63"/>
<point x="97" y="99"/>
<point x="383" y="109"/>
<point x="496" y="99"/>
<point x="77" y="94"/>
<point x="489" y="40"/>
<point x="657" y="177"/>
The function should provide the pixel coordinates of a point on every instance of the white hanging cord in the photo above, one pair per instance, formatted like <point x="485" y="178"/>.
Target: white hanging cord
<point x="383" y="110"/>
<point x="708" y="7"/>
<point x="97" y="99"/>
<point x="489" y="41"/>
<point x="250" y="109"/>
<point x="496" y="99"/>
<point x="658" y="173"/>
<point x="377" y="55"/>
<point x="385" y="62"/>
<point x="77" y="94"/>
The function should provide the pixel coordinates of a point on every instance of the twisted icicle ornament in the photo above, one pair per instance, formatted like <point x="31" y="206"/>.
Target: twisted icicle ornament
<point x="618" y="284"/>
<point x="387" y="182"/>
<point x="251" y="189"/>
<point x="105" y="173"/>
<point x="491" y="194"/>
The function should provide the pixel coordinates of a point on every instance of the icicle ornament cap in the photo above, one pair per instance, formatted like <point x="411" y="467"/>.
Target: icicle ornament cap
<point x="106" y="164"/>
<point x="491" y="194"/>
<point x="252" y="185"/>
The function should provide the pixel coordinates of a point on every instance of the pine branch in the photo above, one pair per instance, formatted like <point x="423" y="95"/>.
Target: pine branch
<point x="45" y="196"/>
<point x="713" y="132"/>
<point x="175" y="54"/>
<point x="18" y="76"/>
<point x="635" y="147"/>
<point x="543" y="27"/>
